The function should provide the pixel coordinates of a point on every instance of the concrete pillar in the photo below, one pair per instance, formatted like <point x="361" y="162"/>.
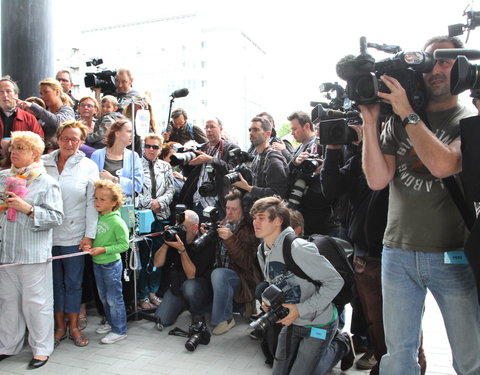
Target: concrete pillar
<point x="27" y="43"/>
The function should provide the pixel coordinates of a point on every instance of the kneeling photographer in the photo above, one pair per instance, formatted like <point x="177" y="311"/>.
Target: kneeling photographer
<point x="235" y="275"/>
<point x="188" y="271"/>
<point x="306" y="311"/>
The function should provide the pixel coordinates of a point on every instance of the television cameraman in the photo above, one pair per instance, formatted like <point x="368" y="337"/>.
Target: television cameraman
<point x="188" y="272"/>
<point x="236" y="273"/>
<point x="424" y="225"/>
<point x="124" y="91"/>
<point x="315" y="208"/>
<point x="214" y="153"/>
<point x="269" y="168"/>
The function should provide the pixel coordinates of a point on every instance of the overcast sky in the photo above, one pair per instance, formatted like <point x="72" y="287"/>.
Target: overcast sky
<point x="303" y="39"/>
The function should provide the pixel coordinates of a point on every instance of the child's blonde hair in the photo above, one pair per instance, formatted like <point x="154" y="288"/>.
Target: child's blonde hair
<point x="115" y="190"/>
<point x="110" y="99"/>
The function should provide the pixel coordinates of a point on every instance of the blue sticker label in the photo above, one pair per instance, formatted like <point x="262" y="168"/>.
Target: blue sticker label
<point x="455" y="257"/>
<point x="318" y="333"/>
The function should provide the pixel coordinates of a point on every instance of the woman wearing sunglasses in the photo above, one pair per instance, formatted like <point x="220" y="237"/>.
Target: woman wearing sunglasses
<point x="157" y="195"/>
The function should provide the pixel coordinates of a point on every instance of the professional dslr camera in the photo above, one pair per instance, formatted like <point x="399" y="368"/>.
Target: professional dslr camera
<point x="362" y="74"/>
<point x="178" y="229"/>
<point x="309" y="165"/>
<point x="273" y="297"/>
<point x="211" y="227"/>
<point x="207" y="189"/>
<point x="102" y="79"/>
<point x="198" y="333"/>
<point x="243" y="159"/>
<point x="182" y="156"/>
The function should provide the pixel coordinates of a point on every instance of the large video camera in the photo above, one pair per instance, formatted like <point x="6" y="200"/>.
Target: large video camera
<point x="362" y="74"/>
<point x="102" y="79"/>
<point x="182" y="156"/>
<point x="178" y="229"/>
<point x="273" y="297"/>
<point x="242" y="159"/>
<point x="198" y="333"/>
<point x="211" y="227"/>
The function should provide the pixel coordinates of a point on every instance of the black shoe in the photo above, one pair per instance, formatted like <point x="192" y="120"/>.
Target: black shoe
<point x="4" y="356"/>
<point x="36" y="363"/>
<point x="349" y="358"/>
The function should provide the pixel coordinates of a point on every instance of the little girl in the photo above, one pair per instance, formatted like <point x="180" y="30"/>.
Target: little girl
<point x="110" y="241"/>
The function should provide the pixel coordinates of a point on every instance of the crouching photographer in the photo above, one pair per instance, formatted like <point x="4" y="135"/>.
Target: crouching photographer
<point x="235" y="275"/>
<point x="188" y="271"/>
<point x="309" y="317"/>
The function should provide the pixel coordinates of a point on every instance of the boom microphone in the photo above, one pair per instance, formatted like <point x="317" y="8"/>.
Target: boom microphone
<point x="452" y="53"/>
<point x="180" y="93"/>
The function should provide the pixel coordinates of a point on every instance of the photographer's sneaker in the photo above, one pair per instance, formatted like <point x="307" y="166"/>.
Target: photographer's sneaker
<point x="111" y="337"/>
<point x="104" y="328"/>
<point x="349" y="357"/>
<point x="224" y="327"/>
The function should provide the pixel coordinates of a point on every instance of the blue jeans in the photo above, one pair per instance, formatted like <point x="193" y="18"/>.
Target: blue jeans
<point x="225" y="284"/>
<point x="196" y="296"/>
<point x="406" y="275"/>
<point x="109" y="284"/>
<point x="300" y="353"/>
<point x="148" y="279"/>
<point x="67" y="280"/>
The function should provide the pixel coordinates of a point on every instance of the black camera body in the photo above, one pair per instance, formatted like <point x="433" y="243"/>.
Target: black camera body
<point x="207" y="189"/>
<point x="309" y="165"/>
<point x="211" y="226"/>
<point x="238" y="156"/>
<point x="243" y="160"/>
<point x="274" y="297"/>
<point x="337" y="132"/>
<point x="178" y="229"/>
<point x="362" y="74"/>
<point x="104" y="80"/>
<point x="198" y="333"/>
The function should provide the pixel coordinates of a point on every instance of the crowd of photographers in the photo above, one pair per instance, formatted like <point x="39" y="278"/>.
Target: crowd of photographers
<point x="232" y="229"/>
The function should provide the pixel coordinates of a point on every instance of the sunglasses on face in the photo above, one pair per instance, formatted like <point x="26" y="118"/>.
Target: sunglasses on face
<point x="155" y="147"/>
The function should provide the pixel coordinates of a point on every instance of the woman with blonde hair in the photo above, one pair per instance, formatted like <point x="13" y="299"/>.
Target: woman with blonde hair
<point x="26" y="289"/>
<point x="58" y="110"/>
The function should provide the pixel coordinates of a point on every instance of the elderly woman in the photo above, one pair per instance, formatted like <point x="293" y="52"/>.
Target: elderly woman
<point x="115" y="161"/>
<point x="76" y="175"/>
<point x="26" y="288"/>
<point x="58" y="108"/>
<point x="157" y="195"/>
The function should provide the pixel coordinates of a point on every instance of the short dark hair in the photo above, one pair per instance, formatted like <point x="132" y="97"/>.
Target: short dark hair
<point x="302" y="118"/>
<point x="233" y="195"/>
<point x="456" y="42"/>
<point x="264" y="123"/>
<point x="296" y="219"/>
<point x="116" y="126"/>
<point x="275" y="207"/>
<point x="178" y="112"/>
<point x="268" y="116"/>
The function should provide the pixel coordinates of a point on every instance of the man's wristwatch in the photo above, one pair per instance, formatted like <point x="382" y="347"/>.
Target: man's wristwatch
<point x="412" y="118"/>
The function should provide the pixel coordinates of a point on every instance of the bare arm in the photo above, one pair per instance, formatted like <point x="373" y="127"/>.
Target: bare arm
<point x="442" y="160"/>
<point x="379" y="168"/>
<point x="160" y="255"/>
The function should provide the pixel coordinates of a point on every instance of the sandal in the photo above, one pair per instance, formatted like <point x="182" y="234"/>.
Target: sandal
<point x="145" y="304"/>
<point x="82" y="322"/>
<point x="61" y="338"/>
<point x="79" y="340"/>
<point x="155" y="300"/>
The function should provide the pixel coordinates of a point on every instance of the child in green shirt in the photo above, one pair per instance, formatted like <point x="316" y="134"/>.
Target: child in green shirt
<point x="111" y="240"/>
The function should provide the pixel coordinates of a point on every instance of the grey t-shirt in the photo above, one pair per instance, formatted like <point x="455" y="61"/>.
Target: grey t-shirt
<point x="421" y="214"/>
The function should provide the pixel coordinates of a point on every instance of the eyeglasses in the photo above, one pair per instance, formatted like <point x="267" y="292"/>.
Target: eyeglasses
<point x="155" y="147"/>
<point x="67" y="139"/>
<point x="83" y="105"/>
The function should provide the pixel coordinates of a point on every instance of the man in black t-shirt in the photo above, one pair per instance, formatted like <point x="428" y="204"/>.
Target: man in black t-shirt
<point x="188" y="274"/>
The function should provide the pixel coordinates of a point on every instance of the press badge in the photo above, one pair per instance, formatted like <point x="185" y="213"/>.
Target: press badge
<point x="455" y="257"/>
<point x="318" y="333"/>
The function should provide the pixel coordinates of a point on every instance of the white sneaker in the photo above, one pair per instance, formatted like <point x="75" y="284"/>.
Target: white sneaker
<point x="104" y="328"/>
<point x="111" y="337"/>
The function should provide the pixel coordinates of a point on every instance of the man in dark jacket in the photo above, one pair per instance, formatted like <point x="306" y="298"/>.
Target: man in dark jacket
<point x="235" y="275"/>
<point x="181" y="131"/>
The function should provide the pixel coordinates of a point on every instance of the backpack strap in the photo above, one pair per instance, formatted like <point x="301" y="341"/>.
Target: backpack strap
<point x="290" y="263"/>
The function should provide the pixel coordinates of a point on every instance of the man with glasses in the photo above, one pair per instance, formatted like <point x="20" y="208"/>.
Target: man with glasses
<point x="212" y="163"/>
<point x="180" y="131"/>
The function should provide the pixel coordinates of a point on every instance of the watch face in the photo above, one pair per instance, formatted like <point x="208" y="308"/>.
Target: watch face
<point x="413" y="118"/>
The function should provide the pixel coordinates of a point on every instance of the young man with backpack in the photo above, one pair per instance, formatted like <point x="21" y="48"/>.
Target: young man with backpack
<point x="308" y="343"/>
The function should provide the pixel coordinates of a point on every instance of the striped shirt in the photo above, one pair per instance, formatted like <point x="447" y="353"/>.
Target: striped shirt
<point x="29" y="239"/>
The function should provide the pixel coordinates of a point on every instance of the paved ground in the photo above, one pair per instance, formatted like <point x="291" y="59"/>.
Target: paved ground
<point x="148" y="351"/>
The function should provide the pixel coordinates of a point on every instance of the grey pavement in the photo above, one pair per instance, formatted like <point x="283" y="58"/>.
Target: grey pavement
<point x="148" y="351"/>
